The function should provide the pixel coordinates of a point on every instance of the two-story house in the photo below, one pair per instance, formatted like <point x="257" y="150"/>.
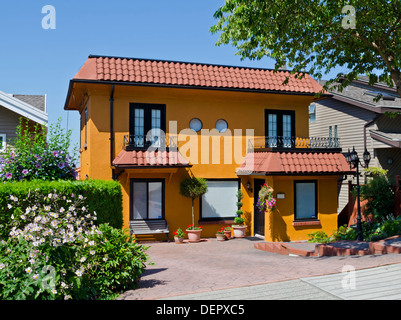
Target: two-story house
<point x="358" y="120"/>
<point x="151" y="123"/>
<point x="15" y="106"/>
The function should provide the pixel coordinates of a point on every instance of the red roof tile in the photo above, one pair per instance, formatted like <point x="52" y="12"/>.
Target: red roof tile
<point x="143" y="159"/>
<point x="192" y="74"/>
<point x="295" y="163"/>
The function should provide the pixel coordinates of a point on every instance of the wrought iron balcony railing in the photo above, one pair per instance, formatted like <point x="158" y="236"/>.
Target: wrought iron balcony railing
<point x="294" y="142"/>
<point x="132" y="142"/>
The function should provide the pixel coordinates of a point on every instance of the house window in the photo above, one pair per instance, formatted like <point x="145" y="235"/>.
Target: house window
<point x="279" y="128"/>
<point x="305" y="199"/>
<point x="147" y="124"/>
<point x="195" y="124"/>
<point x="147" y="199"/>
<point x="220" y="200"/>
<point x="333" y="138"/>
<point x="3" y="142"/>
<point x="312" y="113"/>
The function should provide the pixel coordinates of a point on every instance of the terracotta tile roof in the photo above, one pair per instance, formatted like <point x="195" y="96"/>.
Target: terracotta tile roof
<point x="143" y="159"/>
<point x="295" y="163"/>
<point x="173" y="73"/>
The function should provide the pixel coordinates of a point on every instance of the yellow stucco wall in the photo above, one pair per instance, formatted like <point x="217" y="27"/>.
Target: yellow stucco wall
<point x="242" y="110"/>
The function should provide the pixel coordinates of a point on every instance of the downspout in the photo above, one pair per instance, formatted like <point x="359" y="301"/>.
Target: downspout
<point x="112" y="132"/>
<point x="364" y="133"/>
<point x="364" y="129"/>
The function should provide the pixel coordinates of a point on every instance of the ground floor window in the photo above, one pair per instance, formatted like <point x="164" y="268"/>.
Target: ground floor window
<point x="220" y="201"/>
<point x="305" y="201"/>
<point x="147" y="199"/>
<point x="2" y="142"/>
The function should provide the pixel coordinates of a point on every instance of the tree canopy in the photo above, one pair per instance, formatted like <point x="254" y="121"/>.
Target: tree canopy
<point x="317" y="36"/>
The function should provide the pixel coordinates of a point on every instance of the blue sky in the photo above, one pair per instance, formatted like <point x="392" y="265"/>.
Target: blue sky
<point x="38" y="61"/>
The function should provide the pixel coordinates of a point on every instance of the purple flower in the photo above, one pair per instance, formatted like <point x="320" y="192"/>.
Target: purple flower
<point x="61" y="165"/>
<point x="9" y="175"/>
<point x="25" y="171"/>
<point x="38" y="166"/>
<point x="55" y="153"/>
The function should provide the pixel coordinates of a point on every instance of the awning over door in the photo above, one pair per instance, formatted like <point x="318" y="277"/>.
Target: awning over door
<point x="131" y="159"/>
<point x="294" y="163"/>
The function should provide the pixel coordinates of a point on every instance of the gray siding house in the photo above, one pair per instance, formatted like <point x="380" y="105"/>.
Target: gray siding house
<point x="16" y="106"/>
<point x="358" y="121"/>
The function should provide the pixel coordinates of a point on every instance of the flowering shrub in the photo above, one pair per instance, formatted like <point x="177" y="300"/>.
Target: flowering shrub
<point x="179" y="233"/>
<point x="55" y="252"/>
<point x="265" y="199"/>
<point x="104" y="197"/>
<point x="38" y="155"/>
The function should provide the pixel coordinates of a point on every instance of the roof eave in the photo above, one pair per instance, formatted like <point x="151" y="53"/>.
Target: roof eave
<point x="161" y="85"/>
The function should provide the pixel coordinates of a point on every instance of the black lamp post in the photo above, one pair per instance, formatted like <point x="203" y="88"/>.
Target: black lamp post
<point x="353" y="159"/>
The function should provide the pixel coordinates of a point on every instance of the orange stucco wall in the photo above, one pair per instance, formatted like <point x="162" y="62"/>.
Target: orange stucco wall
<point x="241" y="110"/>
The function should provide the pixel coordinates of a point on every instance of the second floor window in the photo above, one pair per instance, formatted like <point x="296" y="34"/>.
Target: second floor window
<point x="146" y="123"/>
<point x="279" y="128"/>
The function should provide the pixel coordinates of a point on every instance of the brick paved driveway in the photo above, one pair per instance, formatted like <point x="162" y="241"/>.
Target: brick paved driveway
<point x="213" y="265"/>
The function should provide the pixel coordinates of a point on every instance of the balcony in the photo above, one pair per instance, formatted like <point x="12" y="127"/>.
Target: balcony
<point x="145" y="142"/>
<point x="288" y="143"/>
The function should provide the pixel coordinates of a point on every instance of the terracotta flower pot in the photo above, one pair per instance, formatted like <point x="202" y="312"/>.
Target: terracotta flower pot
<point x="239" y="231"/>
<point x="179" y="240"/>
<point x="220" y="237"/>
<point x="227" y="234"/>
<point x="193" y="235"/>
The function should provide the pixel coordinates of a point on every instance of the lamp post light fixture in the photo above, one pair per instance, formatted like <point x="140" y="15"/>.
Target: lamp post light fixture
<point x="353" y="160"/>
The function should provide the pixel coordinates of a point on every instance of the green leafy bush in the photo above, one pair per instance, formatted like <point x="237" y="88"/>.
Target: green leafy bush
<point x="344" y="233"/>
<point x="380" y="196"/>
<point x="102" y="197"/>
<point x="319" y="237"/>
<point x="55" y="252"/>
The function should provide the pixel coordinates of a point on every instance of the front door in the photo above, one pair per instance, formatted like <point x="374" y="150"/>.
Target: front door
<point x="259" y="218"/>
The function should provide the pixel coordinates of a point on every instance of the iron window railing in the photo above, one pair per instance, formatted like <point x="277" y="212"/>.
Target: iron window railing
<point x="294" y="142"/>
<point x="132" y="141"/>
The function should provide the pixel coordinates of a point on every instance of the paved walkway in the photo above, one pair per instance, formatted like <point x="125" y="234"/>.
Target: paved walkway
<point x="379" y="283"/>
<point x="202" y="270"/>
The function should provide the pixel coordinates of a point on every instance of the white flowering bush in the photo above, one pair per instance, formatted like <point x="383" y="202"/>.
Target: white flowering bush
<point x="58" y="252"/>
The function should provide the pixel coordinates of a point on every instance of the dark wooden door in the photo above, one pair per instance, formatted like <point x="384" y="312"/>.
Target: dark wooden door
<point x="259" y="217"/>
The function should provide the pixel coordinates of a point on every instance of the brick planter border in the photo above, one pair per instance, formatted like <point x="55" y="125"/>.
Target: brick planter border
<point x="285" y="248"/>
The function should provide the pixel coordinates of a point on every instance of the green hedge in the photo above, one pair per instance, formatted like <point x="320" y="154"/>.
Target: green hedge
<point x="104" y="197"/>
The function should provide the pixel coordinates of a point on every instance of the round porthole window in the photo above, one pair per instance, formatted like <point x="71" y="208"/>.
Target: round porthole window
<point x="221" y="125"/>
<point x="195" y="124"/>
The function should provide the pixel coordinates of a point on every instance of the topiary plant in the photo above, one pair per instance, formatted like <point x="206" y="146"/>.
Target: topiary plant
<point x="193" y="188"/>
<point x="239" y="212"/>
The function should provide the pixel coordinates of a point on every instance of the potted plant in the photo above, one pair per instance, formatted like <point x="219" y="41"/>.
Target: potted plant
<point x="179" y="236"/>
<point x="193" y="188"/>
<point x="239" y="227"/>
<point x="227" y="232"/>
<point x="265" y="199"/>
<point x="220" y="235"/>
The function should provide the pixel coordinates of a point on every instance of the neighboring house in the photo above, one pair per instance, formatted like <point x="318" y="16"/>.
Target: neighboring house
<point x="16" y="106"/>
<point x="151" y="123"/>
<point x="358" y="121"/>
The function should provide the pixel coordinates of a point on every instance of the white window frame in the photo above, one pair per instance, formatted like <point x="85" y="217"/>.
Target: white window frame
<point x="3" y="145"/>
<point x="224" y="201"/>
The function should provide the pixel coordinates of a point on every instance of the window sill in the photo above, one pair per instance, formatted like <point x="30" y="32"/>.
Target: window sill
<point x="301" y="223"/>
<point x="216" y="221"/>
